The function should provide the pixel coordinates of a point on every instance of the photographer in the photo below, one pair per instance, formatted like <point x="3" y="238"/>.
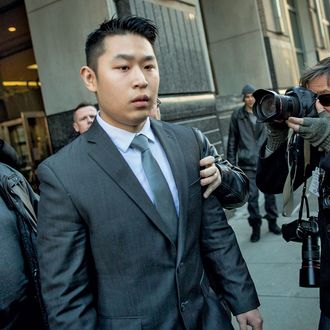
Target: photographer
<point x="21" y="305"/>
<point x="245" y="137"/>
<point x="273" y="164"/>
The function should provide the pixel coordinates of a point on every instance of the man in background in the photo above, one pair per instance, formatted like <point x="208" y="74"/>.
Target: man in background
<point x="246" y="136"/>
<point x="83" y="117"/>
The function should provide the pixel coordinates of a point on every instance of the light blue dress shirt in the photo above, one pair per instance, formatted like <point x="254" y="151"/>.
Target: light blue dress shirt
<point x="122" y="140"/>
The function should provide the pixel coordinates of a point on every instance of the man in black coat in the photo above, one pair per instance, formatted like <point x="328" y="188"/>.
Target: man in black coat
<point x="245" y="138"/>
<point x="273" y="165"/>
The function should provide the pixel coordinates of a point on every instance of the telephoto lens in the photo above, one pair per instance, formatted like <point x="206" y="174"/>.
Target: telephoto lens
<point x="307" y="233"/>
<point x="310" y="267"/>
<point x="297" y="102"/>
<point x="270" y="106"/>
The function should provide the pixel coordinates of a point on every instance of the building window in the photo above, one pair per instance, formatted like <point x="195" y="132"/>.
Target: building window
<point x="326" y="22"/>
<point x="295" y="28"/>
<point x="278" y="19"/>
<point x="320" y="14"/>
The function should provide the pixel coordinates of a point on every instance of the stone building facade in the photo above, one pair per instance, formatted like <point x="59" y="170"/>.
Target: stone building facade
<point x="207" y="50"/>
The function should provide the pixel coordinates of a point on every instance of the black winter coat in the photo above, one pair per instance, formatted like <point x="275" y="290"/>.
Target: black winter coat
<point x="271" y="175"/>
<point x="20" y="308"/>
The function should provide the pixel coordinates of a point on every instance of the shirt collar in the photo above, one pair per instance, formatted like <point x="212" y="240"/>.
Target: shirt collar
<point x="123" y="139"/>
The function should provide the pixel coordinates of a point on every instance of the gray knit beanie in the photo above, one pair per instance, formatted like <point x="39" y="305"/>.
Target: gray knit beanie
<point x="248" y="89"/>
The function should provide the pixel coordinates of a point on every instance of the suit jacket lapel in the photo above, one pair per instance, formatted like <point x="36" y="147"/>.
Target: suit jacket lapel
<point x="175" y="157"/>
<point x="106" y="155"/>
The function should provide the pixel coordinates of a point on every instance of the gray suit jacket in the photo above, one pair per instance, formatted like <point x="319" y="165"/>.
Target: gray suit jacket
<point x="107" y="259"/>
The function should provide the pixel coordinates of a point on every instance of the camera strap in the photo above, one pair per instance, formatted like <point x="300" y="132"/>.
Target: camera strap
<point x="288" y="185"/>
<point x="292" y="171"/>
<point x="304" y="200"/>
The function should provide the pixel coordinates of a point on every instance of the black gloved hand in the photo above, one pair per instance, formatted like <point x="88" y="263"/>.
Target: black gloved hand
<point x="277" y="133"/>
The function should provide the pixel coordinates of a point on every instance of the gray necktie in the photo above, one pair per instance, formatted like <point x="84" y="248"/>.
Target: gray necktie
<point x="163" y="197"/>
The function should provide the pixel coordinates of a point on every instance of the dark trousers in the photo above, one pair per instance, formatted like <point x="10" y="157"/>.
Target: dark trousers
<point x="253" y="205"/>
<point x="324" y="322"/>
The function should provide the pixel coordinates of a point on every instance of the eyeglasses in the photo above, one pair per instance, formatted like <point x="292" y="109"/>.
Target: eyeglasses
<point x="324" y="99"/>
<point x="159" y="102"/>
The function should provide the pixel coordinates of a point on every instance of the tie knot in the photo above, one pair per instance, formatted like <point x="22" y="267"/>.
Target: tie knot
<point x="140" y="142"/>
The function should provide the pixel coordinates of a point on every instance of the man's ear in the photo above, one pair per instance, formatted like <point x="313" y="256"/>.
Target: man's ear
<point x="75" y="127"/>
<point x="89" y="78"/>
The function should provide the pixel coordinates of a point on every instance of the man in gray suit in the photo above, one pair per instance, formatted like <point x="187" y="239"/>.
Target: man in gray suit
<point x="115" y="251"/>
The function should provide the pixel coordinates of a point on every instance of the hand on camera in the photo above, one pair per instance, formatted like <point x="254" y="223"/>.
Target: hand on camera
<point x="314" y="130"/>
<point x="277" y="133"/>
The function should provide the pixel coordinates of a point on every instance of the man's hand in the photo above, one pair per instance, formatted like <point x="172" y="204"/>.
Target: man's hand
<point x="277" y="133"/>
<point x="210" y="175"/>
<point x="314" y="130"/>
<point x="251" y="318"/>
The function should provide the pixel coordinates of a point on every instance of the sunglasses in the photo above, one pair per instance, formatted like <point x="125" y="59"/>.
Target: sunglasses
<point x="324" y="99"/>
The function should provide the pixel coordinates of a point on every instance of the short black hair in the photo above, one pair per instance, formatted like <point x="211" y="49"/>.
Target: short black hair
<point x="82" y="105"/>
<point x="94" y="46"/>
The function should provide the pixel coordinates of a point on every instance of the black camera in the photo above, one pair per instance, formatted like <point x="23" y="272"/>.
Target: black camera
<point x="307" y="233"/>
<point x="297" y="102"/>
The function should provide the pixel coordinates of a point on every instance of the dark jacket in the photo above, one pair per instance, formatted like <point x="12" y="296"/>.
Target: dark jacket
<point x="324" y="223"/>
<point x="233" y="191"/>
<point x="107" y="258"/>
<point x="244" y="140"/>
<point x="271" y="175"/>
<point x="21" y="302"/>
<point x="8" y="154"/>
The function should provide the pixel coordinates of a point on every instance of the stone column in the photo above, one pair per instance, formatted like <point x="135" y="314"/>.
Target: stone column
<point x="58" y="31"/>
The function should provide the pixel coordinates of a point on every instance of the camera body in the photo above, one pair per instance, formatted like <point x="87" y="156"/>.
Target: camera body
<point x="297" y="102"/>
<point x="307" y="233"/>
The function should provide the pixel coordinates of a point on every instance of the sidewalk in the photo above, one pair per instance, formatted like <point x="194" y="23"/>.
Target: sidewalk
<point x="274" y="265"/>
